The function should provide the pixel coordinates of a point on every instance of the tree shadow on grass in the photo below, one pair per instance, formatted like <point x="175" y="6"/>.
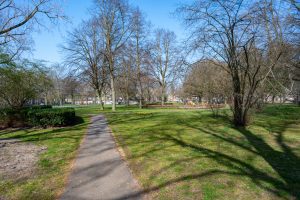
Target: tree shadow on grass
<point x="286" y="163"/>
<point x="285" y="183"/>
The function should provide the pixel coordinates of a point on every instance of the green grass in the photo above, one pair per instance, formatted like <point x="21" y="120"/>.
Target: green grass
<point x="54" y="164"/>
<point x="179" y="154"/>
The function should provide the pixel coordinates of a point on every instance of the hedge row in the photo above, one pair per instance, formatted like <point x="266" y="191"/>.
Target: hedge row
<point x="41" y="116"/>
<point x="39" y="107"/>
<point x="51" y="117"/>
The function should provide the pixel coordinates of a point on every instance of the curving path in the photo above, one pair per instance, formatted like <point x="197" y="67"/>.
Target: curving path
<point x="99" y="171"/>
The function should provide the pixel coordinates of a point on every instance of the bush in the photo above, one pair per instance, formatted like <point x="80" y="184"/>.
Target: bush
<point x="40" y="107"/>
<point x="51" y="117"/>
<point x="12" y="118"/>
<point x="36" y="116"/>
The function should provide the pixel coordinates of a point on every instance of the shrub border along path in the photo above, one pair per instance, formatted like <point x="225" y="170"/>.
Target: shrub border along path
<point x="99" y="171"/>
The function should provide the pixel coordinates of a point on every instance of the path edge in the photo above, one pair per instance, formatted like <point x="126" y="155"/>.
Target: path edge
<point x="72" y="164"/>
<point x="122" y="153"/>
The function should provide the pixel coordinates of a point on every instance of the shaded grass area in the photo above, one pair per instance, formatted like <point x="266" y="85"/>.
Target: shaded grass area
<point x="54" y="165"/>
<point x="178" y="154"/>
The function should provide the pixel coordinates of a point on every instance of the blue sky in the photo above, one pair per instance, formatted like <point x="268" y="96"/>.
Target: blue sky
<point x="46" y="42"/>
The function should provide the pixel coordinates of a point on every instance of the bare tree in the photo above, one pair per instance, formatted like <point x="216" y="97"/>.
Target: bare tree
<point x="293" y="21"/>
<point x="166" y="59"/>
<point x="57" y="75"/>
<point x="209" y="83"/>
<point x="84" y="50"/>
<point x="19" y="18"/>
<point x="139" y="36"/>
<point x="71" y="85"/>
<point x="126" y="77"/>
<point x="114" y="21"/>
<point x="231" y="32"/>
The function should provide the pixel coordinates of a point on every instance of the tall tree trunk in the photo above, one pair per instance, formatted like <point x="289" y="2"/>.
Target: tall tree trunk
<point x="139" y="81"/>
<point x="112" y="79"/>
<point x="113" y="92"/>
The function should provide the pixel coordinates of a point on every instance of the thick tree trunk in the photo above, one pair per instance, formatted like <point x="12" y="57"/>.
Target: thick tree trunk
<point x="239" y="111"/>
<point x="239" y="115"/>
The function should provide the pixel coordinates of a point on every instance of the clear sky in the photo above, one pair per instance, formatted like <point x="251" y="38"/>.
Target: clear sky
<point x="46" y="42"/>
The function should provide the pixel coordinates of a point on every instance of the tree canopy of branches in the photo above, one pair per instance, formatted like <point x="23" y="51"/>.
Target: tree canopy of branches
<point x="85" y="51"/>
<point x="165" y="63"/>
<point x="126" y="77"/>
<point x="114" y="19"/>
<point x="207" y="80"/>
<point x="140" y="29"/>
<point x="233" y="32"/>
<point x="19" y="18"/>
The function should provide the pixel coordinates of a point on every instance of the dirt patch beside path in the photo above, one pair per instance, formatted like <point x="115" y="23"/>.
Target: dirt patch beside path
<point x="18" y="159"/>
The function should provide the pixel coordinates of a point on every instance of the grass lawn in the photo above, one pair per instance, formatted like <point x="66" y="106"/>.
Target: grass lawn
<point x="179" y="154"/>
<point x="54" y="164"/>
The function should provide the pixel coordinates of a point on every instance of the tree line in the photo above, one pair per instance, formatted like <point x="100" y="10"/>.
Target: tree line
<point x="245" y="53"/>
<point x="116" y="49"/>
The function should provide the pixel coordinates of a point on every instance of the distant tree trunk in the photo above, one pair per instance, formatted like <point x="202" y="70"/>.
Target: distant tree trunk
<point x="140" y="102"/>
<point x="139" y="76"/>
<point x="162" y="95"/>
<point x="127" y="102"/>
<point x="99" y="96"/>
<point x="199" y="99"/>
<point x="73" y="98"/>
<point x="46" y="100"/>
<point x="127" y="98"/>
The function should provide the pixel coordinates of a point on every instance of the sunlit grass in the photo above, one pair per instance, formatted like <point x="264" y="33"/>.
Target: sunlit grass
<point x="54" y="164"/>
<point x="179" y="154"/>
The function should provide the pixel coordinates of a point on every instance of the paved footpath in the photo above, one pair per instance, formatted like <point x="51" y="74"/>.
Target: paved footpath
<point x="99" y="171"/>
